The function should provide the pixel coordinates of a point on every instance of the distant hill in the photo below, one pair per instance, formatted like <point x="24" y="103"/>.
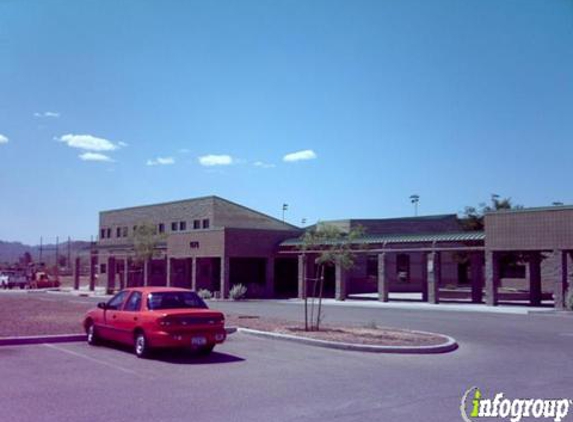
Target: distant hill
<point x="10" y="252"/>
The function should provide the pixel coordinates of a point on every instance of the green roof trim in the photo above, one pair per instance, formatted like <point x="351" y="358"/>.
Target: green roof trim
<point x="473" y="236"/>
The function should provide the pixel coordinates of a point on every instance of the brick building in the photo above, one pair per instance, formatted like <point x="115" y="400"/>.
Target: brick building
<point x="212" y="243"/>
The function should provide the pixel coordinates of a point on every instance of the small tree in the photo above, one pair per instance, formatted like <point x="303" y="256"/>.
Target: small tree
<point x="473" y="217"/>
<point x="334" y="247"/>
<point x="145" y="241"/>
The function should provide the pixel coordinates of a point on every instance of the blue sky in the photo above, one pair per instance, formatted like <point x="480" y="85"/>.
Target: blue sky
<point x="451" y="100"/>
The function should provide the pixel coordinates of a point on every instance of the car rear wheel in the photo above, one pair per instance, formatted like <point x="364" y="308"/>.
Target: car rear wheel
<point x="141" y="347"/>
<point x="93" y="338"/>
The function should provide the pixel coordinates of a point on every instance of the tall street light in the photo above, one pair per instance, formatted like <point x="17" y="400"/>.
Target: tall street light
<point x="285" y="208"/>
<point x="414" y="199"/>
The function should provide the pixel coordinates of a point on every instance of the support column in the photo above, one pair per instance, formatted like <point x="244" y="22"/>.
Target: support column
<point x="146" y="272"/>
<point x="491" y="278"/>
<point x="111" y="269"/>
<point x="535" y="279"/>
<point x="168" y="271"/>
<point x="433" y="277"/>
<point x="382" y="279"/>
<point x="93" y="265"/>
<point x="425" y="277"/>
<point x="302" y="290"/>
<point x="340" y="282"/>
<point x="193" y="271"/>
<point x="476" y="268"/>
<point x="77" y="273"/>
<point x="561" y="281"/>
<point x="125" y="272"/>
<point x="225" y="264"/>
<point x="270" y="277"/>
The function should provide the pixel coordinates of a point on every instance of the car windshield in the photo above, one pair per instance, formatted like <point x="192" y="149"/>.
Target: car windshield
<point x="174" y="300"/>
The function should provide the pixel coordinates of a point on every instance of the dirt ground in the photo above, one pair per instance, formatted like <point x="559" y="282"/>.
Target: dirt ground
<point x="40" y="314"/>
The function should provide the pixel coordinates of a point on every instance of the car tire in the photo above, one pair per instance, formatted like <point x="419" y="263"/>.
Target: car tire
<point x="92" y="336"/>
<point x="205" y="351"/>
<point x="141" y="346"/>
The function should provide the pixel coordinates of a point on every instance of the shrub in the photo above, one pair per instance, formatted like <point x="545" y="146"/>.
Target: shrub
<point x="238" y="292"/>
<point x="569" y="299"/>
<point x="204" y="294"/>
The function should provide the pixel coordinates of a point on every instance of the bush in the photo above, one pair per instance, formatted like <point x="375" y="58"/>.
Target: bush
<point x="569" y="299"/>
<point x="238" y="292"/>
<point x="204" y="294"/>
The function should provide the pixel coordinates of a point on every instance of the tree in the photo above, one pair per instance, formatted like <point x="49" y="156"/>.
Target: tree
<point x="473" y="217"/>
<point x="334" y="247"/>
<point x="145" y="241"/>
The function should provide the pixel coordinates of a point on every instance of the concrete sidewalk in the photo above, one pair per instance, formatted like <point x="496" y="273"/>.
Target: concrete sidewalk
<point x="423" y="306"/>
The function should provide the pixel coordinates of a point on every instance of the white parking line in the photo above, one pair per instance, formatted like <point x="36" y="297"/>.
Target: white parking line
<point x="80" y="355"/>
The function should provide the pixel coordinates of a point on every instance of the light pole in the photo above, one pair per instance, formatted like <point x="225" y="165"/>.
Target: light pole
<point x="414" y="199"/>
<point x="285" y="208"/>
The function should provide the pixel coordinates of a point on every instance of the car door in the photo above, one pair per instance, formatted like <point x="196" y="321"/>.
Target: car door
<point x="129" y="317"/>
<point x="110" y="329"/>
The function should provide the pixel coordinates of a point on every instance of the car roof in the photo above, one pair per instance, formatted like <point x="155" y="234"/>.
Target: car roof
<point x="155" y="289"/>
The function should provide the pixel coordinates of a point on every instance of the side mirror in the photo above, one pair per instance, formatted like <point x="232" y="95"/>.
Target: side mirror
<point x="102" y="305"/>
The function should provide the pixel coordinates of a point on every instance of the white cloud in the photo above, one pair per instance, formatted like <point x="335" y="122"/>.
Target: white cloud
<point x="161" y="161"/>
<point x="88" y="142"/>
<point x="53" y="114"/>
<point x="263" y="165"/>
<point x="306" y="154"/>
<point x="3" y="139"/>
<point x="122" y="144"/>
<point x="215" y="160"/>
<point x="184" y="151"/>
<point x="95" y="156"/>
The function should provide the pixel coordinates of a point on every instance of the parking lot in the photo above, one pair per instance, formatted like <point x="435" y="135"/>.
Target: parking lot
<point x="253" y="379"/>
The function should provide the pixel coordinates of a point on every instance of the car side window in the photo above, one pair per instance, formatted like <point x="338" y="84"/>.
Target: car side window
<point x="116" y="301"/>
<point x="133" y="304"/>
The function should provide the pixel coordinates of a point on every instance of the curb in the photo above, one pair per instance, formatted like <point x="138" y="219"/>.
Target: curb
<point x="58" y="338"/>
<point x="449" y="346"/>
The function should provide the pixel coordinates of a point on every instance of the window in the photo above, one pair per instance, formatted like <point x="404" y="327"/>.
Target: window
<point x="174" y="300"/>
<point x="118" y="232"/>
<point x="403" y="267"/>
<point x="134" y="229"/>
<point x="174" y="226"/>
<point x="182" y="225"/>
<point x="206" y="223"/>
<point x="133" y="304"/>
<point x="102" y="234"/>
<point x="161" y="227"/>
<point x="108" y="233"/>
<point x="196" y="224"/>
<point x="116" y="301"/>
<point x="102" y="268"/>
<point x="124" y="231"/>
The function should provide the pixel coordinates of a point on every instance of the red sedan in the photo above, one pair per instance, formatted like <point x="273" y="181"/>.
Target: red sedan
<point x="156" y="317"/>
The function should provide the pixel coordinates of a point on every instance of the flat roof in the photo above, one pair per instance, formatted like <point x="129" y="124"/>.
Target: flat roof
<point x="532" y="209"/>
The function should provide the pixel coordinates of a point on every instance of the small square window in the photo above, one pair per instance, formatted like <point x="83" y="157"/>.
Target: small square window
<point x="174" y="226"/>
<point x="108" y="233"/>
<point x="102" y="268"/>
<point x="196" y="224"/>
<point x="182" y="225"/>
<point x="124" y="232"/>
<point x="134" y="229"/>
<point x="102" y="234"/>
<point x="161" y="228"/>
<point x="118" y="232"/>
<point x="206" y="223"/>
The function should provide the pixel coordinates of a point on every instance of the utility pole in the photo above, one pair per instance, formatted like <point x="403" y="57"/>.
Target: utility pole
<point x="69" y="260"/>
<point x="57" y="252"/>
<point x="41" y="247"/>
<point x="414" y="199"/>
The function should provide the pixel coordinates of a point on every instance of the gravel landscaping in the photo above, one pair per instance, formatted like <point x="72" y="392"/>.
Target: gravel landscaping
<point x="39" y="313"/>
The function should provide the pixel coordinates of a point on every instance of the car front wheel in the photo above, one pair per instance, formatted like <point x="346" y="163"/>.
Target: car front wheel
<point x="141" y="347"/>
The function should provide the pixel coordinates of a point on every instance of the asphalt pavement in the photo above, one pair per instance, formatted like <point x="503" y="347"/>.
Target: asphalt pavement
<point x="253" y="379"/>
